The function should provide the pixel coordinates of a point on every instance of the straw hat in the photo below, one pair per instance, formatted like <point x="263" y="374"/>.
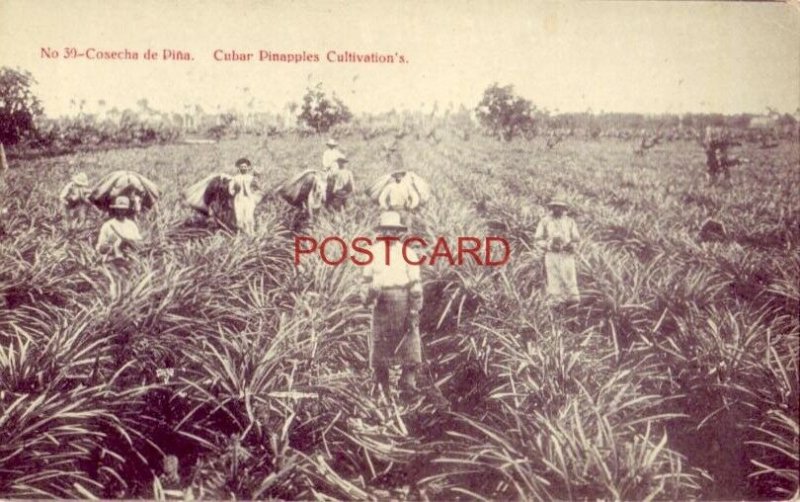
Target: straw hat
<point x="81" y="179"/>
<point x="342" y="159"/>
<point x="243" y="162"/>
<point x="558" y="202"/>
<point x="390" y="220"/>
<point x="332" y="142"/>
<point x="121" y="202"/>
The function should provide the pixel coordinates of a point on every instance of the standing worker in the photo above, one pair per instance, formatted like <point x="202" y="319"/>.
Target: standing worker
<point x="395" y="290"/>
<point x="244" y="199"/>
<point x="557" y="234"/>
<point x="330" y="155"/>
<point x="75" y="198"/>
<point x="398" y="195"/>
<point x="716" y="143"/>
<point x="340" y="185"/>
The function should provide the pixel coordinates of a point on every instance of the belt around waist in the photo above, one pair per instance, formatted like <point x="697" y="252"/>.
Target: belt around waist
<point x="395" y="288"/>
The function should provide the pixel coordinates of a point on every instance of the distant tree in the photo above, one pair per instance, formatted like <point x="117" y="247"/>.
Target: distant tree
<point x="504" y="114"/>
<point x="18" y="105"/>
<point x="320" y="112"/>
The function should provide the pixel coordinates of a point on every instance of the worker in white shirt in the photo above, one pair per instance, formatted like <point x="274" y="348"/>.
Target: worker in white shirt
<point x="398" y="196"/>
<point x="395" y="290"/>
<point x="330" y="155"/>
<point x="120" y="232"/>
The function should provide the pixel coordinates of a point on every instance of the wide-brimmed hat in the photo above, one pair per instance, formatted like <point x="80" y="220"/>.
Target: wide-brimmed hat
<point x="244" y="161"/>
<point x="390" y="220"/>
<point x="341" y="158"/>
<point x="81" y="179"/>
<point x="558" y="202"/>
<point x="121" y="202"/>
<point x="332" y="142"/>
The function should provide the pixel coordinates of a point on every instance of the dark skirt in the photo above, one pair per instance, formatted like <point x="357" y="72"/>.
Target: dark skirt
<point x="393" y="339"/>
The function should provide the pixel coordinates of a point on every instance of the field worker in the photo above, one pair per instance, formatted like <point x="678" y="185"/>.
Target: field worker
<point x="340" y="185"/>
<point x="330" y="155"/>
<point x="557" y="234"/>
<point x="75" y="199"/>
<point x="398" y="196"/>
<point x="244" y="199"/>
<point x="395" y="290"/>
<point x="719" y="161"/>
<point x="120" y="231"/>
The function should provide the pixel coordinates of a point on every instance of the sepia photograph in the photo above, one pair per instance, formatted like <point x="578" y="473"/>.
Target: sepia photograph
<point x="409" y="251"/>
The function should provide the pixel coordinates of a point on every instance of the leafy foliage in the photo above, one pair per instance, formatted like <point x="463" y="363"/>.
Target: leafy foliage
<point x="503" y="113"/>
<point x="19" y="107"/>
<point x="320" y="112"/>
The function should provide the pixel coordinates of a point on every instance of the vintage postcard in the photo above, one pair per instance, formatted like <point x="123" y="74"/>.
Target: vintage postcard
<point x="445" y="250"/>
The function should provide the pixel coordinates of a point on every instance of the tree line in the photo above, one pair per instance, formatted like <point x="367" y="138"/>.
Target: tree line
<point x="501" y="113"/>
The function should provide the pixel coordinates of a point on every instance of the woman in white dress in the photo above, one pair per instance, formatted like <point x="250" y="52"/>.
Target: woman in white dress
<point x="244" y="197"/>
<point x="558" y="234"/>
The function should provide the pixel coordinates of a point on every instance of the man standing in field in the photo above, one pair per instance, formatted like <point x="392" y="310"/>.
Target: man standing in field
<point x="331" y="155"/>
<point x="398" y="196"/>
<point x="716" y="143"/>
<point x="395" y="290"/>
<point x="340" y="185"/>
<point x="557" y="234"/>
<point x="75" y="200"/>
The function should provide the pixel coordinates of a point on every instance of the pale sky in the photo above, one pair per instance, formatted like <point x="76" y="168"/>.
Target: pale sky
<point x="649" y="57"/>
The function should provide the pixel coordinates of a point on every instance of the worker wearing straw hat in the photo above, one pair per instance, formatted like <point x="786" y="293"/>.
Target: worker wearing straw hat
<point x="557" y="234"/>
<point x="75" y="199"/>
<point x="395" y="290"/>
<point x="331" y="155"/>
<point x="340" y="185"/>
<point x="120" y="231"/>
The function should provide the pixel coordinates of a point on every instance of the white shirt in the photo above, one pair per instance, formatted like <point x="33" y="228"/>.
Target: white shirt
<point x="329" y="158"/>
<point x="378" y="275"/>
<point x="114" y="232"/>
<point x="398" y="196"/>
<point x="241" y="184"/>
<point x="316" y="196"/>
<point x="563" y="228"/>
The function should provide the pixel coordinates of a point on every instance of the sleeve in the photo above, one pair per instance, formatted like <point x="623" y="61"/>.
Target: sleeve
<point x="573" y="233"/>
<point x="64" y="195"/>
<point x="413" y="197"/>
<point x="541" y="232"/>
<point x="130" y="232"/>
<point x="383" y="198"/>
<point x="104" y="238"/>
<point x="413" y="273"/>
<point x="414" y="283"/>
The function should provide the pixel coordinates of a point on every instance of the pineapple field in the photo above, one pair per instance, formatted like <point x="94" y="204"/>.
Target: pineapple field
<point x="209" y="366"/>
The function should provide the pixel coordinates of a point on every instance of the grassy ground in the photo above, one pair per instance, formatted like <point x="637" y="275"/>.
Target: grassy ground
<point x="211" y="364"/>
